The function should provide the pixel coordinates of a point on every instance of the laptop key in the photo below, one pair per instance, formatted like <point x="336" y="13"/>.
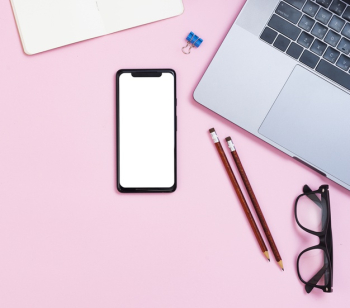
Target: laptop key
<point x="296" y="3"/>
<point x="318" y="47"/>
<point x="337" y="7"/>
<point x="324" y="3"/>
<point x="309" y="59"/>
<point x="344" y="46"/>
<point x="306" y="23"/>
<point x="346" y="30"/>
<point x="281" y="43"/>
<point x="268" y="35"/>
<point x="323" y="16"/>
<point x="319" y="31"/>
<point x="294" y="50"/>
<point x="284" y="27"/>
<point x="346" y="14"/>
<point x="288" y="12"/>
<point x="336" y="23"/>
<point x="331" y="55"/>
<point x="332" y="38"/>
<point x="344" y="63"/>
<point x="305" y="39"/>
<point x="311" y="8"/>
<point x="334" y="73"/>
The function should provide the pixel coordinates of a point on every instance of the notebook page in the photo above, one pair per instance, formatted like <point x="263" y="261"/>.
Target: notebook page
<point x="120" y="14"/>
<point x="47" y="24"/>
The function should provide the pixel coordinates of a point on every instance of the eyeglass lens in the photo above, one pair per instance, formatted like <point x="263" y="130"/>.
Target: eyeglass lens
<point x="312" y="212"/>
<point x="314" y="267"/>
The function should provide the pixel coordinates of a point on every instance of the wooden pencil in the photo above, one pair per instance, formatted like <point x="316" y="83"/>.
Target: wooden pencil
<point x="254" y="201"/>
<point x="239" y="193"/>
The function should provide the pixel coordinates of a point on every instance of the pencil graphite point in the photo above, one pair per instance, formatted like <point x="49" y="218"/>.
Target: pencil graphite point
<point x="280" y="263"/>
<point x="212" y="130"/>
<point x="266" y="253"/>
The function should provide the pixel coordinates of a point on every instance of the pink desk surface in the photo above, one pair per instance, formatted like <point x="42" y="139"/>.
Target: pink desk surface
<point x="69" y="239"/>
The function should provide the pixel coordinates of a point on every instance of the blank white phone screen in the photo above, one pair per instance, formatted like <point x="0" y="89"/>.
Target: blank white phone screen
<point x="146" y="131"/>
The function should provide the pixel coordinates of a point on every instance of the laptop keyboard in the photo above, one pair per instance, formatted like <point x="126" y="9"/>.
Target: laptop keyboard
<point x="314" y="32"/>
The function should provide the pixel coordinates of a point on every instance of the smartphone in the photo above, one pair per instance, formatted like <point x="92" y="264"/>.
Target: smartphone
<point x="146" y="130"/>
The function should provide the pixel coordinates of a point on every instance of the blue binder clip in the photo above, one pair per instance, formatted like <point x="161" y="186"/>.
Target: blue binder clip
<point x="192" y="41"/>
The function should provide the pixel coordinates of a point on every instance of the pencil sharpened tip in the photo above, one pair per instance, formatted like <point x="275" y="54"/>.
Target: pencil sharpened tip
<point x="269" y="260"/>
<point x="266" y="253"/>
<point x="212" y="130"/>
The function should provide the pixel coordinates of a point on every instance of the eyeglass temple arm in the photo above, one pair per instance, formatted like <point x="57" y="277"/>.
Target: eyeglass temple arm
<point x="313" y="197"/>
<point x="316" y="278"/>
<point x="320" y="203"/>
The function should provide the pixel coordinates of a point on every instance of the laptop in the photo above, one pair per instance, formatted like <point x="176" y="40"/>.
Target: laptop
<point x="48" y="24"/>
<point x="282" y="74"/>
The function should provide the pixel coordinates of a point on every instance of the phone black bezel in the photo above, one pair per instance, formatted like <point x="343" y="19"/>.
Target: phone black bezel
<point x="146" y="189"/>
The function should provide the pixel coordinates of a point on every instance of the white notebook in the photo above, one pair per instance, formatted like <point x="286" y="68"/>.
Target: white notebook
<point x="48" y="24"/>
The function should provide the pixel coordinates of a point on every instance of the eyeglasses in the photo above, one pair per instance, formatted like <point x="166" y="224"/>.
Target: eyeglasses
<point x="313" y="215"/>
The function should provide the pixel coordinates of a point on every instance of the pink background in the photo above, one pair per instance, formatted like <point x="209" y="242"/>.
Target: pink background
<point x="69" y="239"/>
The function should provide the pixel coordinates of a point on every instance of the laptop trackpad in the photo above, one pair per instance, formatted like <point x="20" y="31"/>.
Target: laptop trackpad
<point x="311" y="118"/>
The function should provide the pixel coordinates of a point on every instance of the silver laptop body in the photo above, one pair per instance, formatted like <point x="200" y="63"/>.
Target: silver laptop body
<point x="282" y="74"/>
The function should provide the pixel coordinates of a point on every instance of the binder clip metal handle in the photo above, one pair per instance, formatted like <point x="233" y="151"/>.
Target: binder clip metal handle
<point x="192" y="41"/>
<point x="183" y="49"/>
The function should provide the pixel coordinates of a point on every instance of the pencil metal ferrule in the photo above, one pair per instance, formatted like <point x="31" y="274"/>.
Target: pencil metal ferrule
<point x="214" y="136"/>
<point x="231" y="145"/>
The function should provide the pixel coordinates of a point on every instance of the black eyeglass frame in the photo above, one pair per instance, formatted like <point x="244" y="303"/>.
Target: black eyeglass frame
<point x="325" y="237"/>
